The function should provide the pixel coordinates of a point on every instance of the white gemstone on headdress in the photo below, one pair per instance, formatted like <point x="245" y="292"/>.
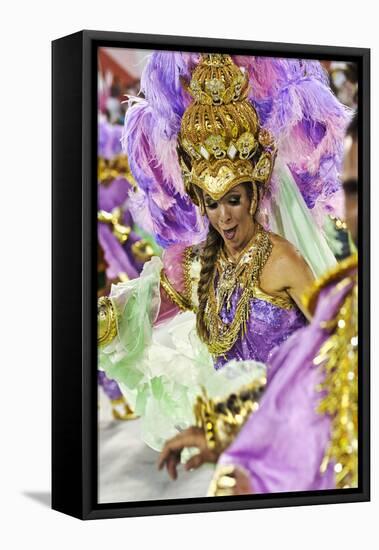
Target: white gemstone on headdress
<point x="204" y="152"/>
<point x="232" y="151"/>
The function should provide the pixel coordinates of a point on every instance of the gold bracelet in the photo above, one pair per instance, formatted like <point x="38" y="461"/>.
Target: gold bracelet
<point x="182" y="302"/>
<point x="222" y="419"/>
<point x="106" y="321"/>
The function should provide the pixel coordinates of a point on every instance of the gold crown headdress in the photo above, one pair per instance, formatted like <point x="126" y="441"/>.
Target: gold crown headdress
<point x="221" y="143"/>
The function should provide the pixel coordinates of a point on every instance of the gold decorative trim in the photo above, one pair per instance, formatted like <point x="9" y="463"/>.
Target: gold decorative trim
<point x="338" y="359"/>
<point x="121" y="410"/>
<point x="223" y="482"/>
<point x="246" y="274"/>
<point x="142" y="250"/>
<point x="177" y="298"/>
<point x="106" y="321"/>
<point x="222" y="419"/>
<point x="114" y="218"/>
<point x="110" y="169"/>
<point x="309" y="298"/>
<point x="187" y="259"/>
<point x="221" y="141"/>
<point x="283" y="303"/>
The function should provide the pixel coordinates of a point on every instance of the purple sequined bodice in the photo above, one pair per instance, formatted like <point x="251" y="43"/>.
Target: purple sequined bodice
<point x="268" y="326"/>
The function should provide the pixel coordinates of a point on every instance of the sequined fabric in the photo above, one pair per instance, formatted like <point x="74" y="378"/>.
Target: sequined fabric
<point x="268" y="326"/>
<point x="284" y="444"/>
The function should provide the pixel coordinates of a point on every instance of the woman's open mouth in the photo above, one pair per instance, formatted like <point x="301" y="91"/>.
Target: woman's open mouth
<point x="230" y="233"/>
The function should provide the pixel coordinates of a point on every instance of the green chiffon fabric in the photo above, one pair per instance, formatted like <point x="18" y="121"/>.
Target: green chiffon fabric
<point x="137" y="304"/>
<point x="292" y="219"/>
<point x="162" y="370"/>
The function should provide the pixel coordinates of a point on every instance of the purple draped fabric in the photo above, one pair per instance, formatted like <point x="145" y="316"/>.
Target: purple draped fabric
<point x="282" y="445"/>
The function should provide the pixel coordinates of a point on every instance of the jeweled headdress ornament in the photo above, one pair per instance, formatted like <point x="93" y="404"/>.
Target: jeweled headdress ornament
<point x="221" y="142"/>
<point x="289" y="97"/>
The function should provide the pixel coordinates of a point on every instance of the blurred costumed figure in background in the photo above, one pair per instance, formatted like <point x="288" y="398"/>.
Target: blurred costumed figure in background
<point x="236" y="161"/>
<point x="121" y="251"/>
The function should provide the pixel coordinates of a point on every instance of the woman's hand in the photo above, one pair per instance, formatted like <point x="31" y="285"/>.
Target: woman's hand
<point x="192" y="437"/>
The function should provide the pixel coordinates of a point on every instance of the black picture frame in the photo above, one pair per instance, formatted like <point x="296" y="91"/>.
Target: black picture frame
<point x="74" y="332"/>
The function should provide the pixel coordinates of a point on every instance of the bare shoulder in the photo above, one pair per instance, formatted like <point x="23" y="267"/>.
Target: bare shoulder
<point x="286" y="267"/>
<point x="284" y="253"/>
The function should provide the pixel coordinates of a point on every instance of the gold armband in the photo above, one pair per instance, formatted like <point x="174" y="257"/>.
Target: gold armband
<point x="106" y="321"/>
<point x="182" y="302"/>
<point x="222" y="419"/>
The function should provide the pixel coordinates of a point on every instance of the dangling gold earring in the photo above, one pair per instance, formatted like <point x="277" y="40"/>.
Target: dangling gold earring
<point x="254" y="200"/>
<point x="202" y="208"/>
<point x="253" y="207"/>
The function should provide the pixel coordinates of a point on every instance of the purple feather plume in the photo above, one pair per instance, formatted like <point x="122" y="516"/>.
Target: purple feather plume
<point x="293" y="101"/>
<point x="161" y="205"/>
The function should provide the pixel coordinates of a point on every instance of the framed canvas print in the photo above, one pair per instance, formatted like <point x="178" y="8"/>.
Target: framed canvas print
<point x="210" y="274"/>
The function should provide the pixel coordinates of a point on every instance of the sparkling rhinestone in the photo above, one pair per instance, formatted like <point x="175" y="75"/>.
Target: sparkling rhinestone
<point x="354" y="341"/>
<point x="232" y="151"/>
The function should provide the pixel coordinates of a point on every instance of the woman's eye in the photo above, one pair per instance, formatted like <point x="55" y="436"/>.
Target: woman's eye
<point x="234" y="200"/>
<point x="212" y="205"/>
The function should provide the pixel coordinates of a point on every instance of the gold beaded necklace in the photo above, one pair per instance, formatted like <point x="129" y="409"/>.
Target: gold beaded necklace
<point x="245" y="274"/>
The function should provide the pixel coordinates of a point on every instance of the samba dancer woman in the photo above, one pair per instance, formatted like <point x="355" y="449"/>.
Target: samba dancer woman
<point x="243" y="283"/>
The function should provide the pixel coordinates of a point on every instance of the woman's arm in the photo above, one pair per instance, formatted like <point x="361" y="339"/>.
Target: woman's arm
<point x="218" y="421"/>
<point x="174" y="283"/>
<point x="171" y="294"/>
<point x="297" y="277"/>
<point x="286" y="272"/>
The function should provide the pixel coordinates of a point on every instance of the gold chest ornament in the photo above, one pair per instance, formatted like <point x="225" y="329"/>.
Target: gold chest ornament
<point x="227" y="277"/>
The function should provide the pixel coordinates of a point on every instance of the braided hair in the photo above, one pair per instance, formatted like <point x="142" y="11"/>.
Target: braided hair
<point x="208" y="260"/>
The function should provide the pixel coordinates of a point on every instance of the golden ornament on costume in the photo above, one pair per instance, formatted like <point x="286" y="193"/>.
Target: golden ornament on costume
<point x="116" y="167"/>
<point x="121" y="410"/>
<point x="223" y="481"/>
<point x="142" y="250"/>
<point x="106" y="321"/>
<point x="113" y="218"/>
<point x="221" y="143"/>
<point x="244" y="274"/>
<point x="338" y="357"/>
<point x="222" y="419"/>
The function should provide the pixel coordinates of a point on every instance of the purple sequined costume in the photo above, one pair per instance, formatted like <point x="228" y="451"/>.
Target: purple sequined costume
<point x="268" y="326"/>
<point x="282" y="445"/>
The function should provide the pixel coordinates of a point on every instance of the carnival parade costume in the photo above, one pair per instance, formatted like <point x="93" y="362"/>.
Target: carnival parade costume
<point x="304" y="435"/>
<point x="122" y="252"/>
<point x="208" y="123"/>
